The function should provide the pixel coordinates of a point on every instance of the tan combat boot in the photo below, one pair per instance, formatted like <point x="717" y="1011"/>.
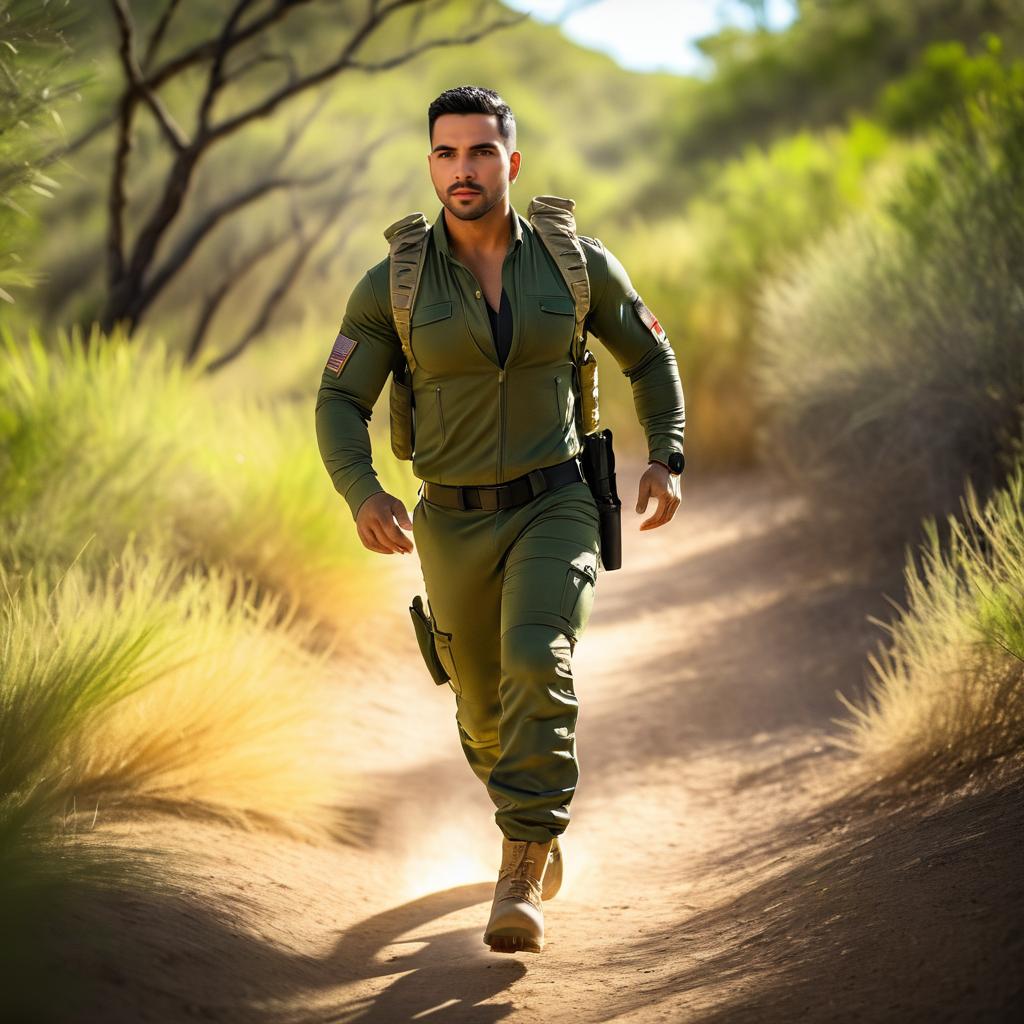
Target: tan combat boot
<point x="517" y="920"/>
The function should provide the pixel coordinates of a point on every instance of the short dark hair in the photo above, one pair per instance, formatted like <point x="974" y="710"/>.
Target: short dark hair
<point x="475" y="99"/>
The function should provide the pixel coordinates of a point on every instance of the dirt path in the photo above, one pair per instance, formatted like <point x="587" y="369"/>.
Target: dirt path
<point x="710" y="873"/>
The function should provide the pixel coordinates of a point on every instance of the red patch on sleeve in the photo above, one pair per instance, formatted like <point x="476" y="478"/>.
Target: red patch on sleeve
<point x="650" y="320"/>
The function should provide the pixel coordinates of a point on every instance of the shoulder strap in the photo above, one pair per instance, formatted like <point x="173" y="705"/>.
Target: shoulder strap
<point x="552" y="218"/>
<point x="407" y="241"/>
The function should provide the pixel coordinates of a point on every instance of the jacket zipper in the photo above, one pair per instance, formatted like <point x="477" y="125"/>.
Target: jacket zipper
<point x="501" y="421"/>
<point x="440" y="411"/>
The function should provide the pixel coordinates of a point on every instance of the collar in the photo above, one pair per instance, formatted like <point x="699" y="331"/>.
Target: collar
<point x="440" y="233"/>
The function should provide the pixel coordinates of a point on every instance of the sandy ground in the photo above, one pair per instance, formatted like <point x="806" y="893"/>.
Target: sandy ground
<point x="714" y="871"/>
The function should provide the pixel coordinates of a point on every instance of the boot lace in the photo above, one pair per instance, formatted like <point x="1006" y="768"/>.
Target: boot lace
<point x="520" y="888"/>
<point x="520" y="883"/>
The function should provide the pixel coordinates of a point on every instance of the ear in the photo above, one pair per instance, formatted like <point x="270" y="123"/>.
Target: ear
<point x="514" y="160"/>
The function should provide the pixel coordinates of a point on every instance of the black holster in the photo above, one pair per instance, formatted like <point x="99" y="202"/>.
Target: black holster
<point x="425" y="638"/>
<point x="598" y="462"/>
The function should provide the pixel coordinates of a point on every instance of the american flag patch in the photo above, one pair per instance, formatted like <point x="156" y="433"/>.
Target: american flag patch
<point x="343" y="348"/>
<point x="650" y="320"/>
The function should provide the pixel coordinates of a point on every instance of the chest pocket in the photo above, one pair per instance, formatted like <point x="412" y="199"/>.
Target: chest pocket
<point x="424" y="315"/>
<point x="431" y="335"/>
<point x="554" y="318"/>
<point x="558" y="304"/>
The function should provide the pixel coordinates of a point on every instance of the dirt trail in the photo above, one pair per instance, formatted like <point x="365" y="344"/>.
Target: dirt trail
<point x="710" y="874"/>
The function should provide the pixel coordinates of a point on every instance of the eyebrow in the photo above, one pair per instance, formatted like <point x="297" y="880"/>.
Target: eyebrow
<point x="476" y="145"/>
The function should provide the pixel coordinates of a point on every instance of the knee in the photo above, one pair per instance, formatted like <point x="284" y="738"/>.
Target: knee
<point x="533" y="653"/>
<point x="478" y="724"/>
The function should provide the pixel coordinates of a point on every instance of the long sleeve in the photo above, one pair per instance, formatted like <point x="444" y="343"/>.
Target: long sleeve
<point x="366" y="350"/>
<point x="628" y="329"/>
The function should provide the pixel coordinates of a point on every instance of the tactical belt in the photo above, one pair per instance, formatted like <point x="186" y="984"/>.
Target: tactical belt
<point x="492" y="497"/>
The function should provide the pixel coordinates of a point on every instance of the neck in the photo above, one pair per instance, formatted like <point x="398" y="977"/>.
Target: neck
<point x="487" y="234"/>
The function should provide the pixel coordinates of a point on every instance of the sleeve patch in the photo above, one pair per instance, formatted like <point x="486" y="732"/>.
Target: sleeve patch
<point x="650" y="321"/>
<point x="343" y="348"/>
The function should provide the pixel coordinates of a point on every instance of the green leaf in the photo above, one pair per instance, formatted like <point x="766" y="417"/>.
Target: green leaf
<point x="6" y="296"/>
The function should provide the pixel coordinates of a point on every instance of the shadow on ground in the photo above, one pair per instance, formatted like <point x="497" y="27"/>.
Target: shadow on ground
<point x="876" y="909"/>
<point x="188" y="962"/>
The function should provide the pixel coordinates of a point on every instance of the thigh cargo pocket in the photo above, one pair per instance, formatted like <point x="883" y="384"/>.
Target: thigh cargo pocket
<point x="578" y="596"/>
<point x="554" y="591"/>
<point x="443" y="643"/>
<point x="578" y="591"/>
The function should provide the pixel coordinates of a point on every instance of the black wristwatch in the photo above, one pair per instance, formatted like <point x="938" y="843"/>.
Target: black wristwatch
<point x="675" y="464"/>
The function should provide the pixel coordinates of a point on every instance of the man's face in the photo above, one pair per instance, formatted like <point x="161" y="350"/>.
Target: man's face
<point x="469" y="165"/>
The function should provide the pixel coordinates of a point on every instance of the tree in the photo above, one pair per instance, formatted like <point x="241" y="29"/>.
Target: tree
<point x="140" y="269"/>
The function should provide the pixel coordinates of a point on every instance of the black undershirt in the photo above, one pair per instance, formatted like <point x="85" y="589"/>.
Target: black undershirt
<point x="501" y="327"/>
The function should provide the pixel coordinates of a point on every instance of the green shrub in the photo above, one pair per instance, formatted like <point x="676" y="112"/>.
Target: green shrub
<point x="700" y="273"/>
<point x="891" y="354"/>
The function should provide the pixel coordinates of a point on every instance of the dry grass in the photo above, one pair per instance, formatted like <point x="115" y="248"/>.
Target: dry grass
<point x="148" y="684"/>
<point x="947" y="694"/>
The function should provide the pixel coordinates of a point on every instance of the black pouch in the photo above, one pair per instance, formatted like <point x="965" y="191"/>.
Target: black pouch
<point x="598" y="461"/>
<point x="425" y="638"/>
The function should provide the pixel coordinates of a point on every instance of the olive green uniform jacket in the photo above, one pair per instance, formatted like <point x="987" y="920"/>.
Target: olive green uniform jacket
<point x="477" y="422"/>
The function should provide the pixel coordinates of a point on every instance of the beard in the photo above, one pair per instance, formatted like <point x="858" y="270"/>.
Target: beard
<point x="481" y="207"/>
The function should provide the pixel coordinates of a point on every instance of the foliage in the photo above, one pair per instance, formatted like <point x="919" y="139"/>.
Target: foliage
<point x="102" y="440"/>
<point x="892" y="352"/>
<point x="701" y="272"/>
<point x="829" y="63"/>
<point x="946" y="75"/>
<point x="33" y="77"/>
<point x="947" y="693"/>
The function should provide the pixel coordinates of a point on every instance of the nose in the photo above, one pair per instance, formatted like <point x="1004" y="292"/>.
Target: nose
<point x="463" y="172"/>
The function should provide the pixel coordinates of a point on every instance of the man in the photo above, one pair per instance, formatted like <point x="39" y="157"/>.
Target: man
<point x="506" y="527"/>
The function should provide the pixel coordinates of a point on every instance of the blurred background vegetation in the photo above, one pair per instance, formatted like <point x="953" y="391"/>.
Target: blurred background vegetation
<point x="830" y="226"/>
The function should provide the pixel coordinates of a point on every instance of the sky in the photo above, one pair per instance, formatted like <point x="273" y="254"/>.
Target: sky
<point x="651" y="35"/>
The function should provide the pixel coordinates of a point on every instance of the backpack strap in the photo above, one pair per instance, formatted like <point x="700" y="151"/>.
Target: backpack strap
<point x="407" y="239"/>
<point x="552" y="218"/>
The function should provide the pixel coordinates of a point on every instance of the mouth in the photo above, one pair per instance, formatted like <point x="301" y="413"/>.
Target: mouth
<point x="466" y="193"/>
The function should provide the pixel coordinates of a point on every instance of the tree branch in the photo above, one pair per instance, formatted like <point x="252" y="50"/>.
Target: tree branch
<point x="433" y="44"/>
<point x="136" y="82"/>
<point x="209" y="48"/>
<point x="158" y="33"/>
<point x="188" y="245"/>
<point x="302" y="253"/>
<point x="215" y="80"/>
<point x="213" y="301"/>
<point x="375" y="18"/>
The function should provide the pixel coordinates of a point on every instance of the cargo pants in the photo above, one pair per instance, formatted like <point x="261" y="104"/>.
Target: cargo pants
<point x="510" y="592"/>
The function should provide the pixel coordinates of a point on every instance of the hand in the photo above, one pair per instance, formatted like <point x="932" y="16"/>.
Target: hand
<point x="376" y="526"/>
<point x="658" y="482"/>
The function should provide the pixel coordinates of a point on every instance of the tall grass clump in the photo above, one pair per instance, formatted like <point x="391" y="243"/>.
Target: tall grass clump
<point x="104" y="439"/>
<point x="947" y="693"/>
<point x="892" y="355"/>
<point x="149" y="685"/>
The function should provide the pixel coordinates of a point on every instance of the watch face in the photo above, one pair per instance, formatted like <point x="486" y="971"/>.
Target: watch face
<point x="676" y="462"/>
